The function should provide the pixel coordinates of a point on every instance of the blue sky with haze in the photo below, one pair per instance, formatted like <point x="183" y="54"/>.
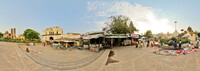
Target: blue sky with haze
<point x="80" y="16"/>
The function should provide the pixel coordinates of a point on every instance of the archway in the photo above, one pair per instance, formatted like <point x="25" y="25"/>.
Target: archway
<point x="51" y="38"/>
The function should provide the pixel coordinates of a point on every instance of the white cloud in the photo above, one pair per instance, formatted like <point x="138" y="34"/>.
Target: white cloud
<point x="144" y="18"/>
<point x="100" y="24"/>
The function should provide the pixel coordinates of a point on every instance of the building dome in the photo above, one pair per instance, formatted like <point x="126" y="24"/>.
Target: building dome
<point x="6" y="32"/>
<point x="53" y="31"/>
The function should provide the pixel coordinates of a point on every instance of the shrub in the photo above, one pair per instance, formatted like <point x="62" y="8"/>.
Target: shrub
<point x="20" y="41"/>
<point x="185" y="40"/>
<point x="174" y="39"/>
<point x="163" y="41"/>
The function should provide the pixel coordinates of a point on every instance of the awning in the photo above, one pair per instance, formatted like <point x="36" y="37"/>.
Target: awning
<point x="92" y="36"/>
<point x="116" y="37"/>
<point x="63" y="40"/>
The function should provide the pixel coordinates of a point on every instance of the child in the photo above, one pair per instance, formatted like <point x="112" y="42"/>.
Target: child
<point x="151" y="44"/>
<point x="196" y="46"/>
<point x="136" y="44"/>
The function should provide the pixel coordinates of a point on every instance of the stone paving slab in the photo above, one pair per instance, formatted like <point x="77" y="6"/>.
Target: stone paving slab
<point x="13" y="59"/>
<point x="142" y="59"/>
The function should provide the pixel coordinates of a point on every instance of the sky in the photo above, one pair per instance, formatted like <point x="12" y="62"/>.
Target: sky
<point x="81" y="16"/>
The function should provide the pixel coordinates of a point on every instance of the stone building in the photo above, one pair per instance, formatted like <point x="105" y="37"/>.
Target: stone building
<point x="11" y="35"/>
<point x="56" y="33"/>
<point x="52" y="33"/>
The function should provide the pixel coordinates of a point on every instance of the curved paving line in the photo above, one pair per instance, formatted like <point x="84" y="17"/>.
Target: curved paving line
<point x="198" y="65"/>
<point x="65" y="65"/>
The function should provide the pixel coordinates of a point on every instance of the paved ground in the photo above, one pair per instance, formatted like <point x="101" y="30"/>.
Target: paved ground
<point x="60" y="55"/>
<point x="142" y="59"/>
<point x="129" y="58"/>
<point x="12" y="58"/>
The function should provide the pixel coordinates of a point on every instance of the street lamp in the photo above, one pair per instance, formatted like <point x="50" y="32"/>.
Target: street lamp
<point x="175" y="25"/>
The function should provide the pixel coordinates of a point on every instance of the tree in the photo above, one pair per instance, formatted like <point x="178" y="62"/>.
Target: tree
<point x="31" y="34"/>
<point x="1" y="35"/>
<point x="198" y="34"/>
<point x="132" y="28"/>
<point x="148" y="34"/>
<point x="189" y="29"/>
<point x="118" y="25"/>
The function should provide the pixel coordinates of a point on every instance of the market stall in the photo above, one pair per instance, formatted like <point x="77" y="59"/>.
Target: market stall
<point x="93" y="41"/>
<point x="117" y="39"/>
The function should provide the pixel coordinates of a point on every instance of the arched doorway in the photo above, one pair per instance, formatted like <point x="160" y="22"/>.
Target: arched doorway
<point x="51" y="38"/>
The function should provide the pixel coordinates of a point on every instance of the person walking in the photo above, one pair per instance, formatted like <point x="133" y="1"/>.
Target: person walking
<point x="44" y="44"/>
<point x="180" y="44"/>
<point x="65" y="46"/>
<point x="137" y="44"/>
<point x="175" y="44"/>
<point x="140" y="43"/>
<point x="143" y="43"/>
<point x="147" y="43"/>
<point x="198" y="43"/>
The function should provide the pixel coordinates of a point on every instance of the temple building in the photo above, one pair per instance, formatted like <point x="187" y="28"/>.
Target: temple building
<point x="11" y="35"/>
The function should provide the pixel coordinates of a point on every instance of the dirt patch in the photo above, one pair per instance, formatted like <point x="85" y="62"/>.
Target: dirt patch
<point x="110" y="60"/>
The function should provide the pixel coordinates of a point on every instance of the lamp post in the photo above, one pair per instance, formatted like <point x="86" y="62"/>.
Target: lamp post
<point x="175" y="25"/>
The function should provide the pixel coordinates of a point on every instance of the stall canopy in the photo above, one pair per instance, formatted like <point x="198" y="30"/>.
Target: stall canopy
<point x="135" y="35"/>
<point x="117" y="36"/>
<point x="93" y="35"/>
<point x="66" y="40"/>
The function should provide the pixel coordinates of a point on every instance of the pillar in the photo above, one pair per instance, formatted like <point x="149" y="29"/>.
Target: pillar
<point x="11" y="36"/>
<point x="14" y="34"/>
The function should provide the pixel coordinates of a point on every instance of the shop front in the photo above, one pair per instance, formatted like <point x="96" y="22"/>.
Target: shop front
<point x="93" y="41"/>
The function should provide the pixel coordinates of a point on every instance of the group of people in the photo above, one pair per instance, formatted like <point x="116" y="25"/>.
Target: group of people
<point x="196" y="46"/>
<point x="141" y="43"/>
<point x="175" y="44"/>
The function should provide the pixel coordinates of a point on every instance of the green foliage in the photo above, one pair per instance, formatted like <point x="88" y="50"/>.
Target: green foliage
<point x="182" y="40"/>
<point x="174" y="39"/>
<point x="148" y="34"/>
<point x="163" y="41"/>
<point x="198" y="34"/>
<point x="185" y="40"/>
<point x="1" y="35"/>
<point x="132" y="28"/>
<point x="31" y="34"/>
<point x="20" y="41"/>
<point x="118" y="25"/>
